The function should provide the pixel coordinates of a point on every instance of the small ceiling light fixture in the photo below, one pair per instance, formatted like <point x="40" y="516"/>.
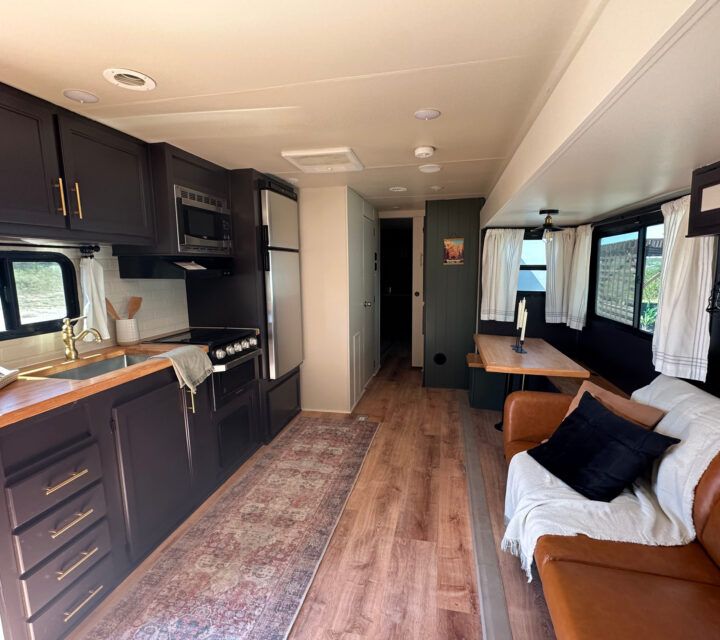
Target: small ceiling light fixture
<point x="429" y="168"/>
<point x="424" y="152"/>
<point x="436" y="188"/>
<point x="548" y="226"/>
<point x="293" y="180"/>
<point x="427" y="114"/>
<point x="78" y="95"/>
<point x="129" y="79"/>
<point x="397" y="189"/>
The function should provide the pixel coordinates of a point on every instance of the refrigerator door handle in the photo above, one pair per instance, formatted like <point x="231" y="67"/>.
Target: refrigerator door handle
<point x="266" y="259"/>
<point x="265" y="236"/>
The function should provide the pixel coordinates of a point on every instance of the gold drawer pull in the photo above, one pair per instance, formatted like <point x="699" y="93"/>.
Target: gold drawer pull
<point x="69" y="614"/>
<point x="71" y="478"/>
<point x="84" y="557"/>
<point x="80" y="517"/>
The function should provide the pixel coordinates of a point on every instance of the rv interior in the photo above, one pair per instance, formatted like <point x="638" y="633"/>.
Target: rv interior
<point x="360" y="320"/>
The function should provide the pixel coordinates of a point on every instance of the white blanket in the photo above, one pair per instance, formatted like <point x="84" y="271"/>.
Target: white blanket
<point x="656" y="511"/>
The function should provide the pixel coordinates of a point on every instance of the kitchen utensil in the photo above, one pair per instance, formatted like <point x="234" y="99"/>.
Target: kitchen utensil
<point x="126" y="331"/>
<point x="134" y="306"/>
<point x="111" y="310"/>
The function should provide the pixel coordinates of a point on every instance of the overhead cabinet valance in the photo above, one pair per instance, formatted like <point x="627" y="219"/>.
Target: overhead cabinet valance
<point x="65" y="177"/>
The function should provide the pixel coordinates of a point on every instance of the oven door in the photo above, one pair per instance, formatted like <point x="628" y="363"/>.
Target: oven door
<point x="238" y="428"/>
<point x="201" y="229"/>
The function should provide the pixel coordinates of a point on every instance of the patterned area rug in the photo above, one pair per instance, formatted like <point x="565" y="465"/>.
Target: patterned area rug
<point x="242" y="571"/>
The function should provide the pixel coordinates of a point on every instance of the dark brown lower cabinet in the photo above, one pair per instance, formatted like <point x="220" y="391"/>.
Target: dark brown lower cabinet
<point x="154" y="463"/>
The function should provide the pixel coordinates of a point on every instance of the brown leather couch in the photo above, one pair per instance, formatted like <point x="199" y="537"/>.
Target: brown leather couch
<point x="614" y="590"/>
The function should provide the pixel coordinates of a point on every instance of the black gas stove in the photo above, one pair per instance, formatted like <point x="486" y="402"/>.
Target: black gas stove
<point x="227" y="346"/>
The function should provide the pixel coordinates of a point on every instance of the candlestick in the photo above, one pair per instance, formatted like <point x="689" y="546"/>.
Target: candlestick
<point x="521" y="309"/>
<point x="524" y="326"/>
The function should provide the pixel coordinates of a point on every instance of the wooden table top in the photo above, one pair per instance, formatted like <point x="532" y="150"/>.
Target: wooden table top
<point x="541" y="359"/>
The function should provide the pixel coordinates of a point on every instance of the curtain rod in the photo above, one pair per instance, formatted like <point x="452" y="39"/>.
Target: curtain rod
<point x="83" y="248"/>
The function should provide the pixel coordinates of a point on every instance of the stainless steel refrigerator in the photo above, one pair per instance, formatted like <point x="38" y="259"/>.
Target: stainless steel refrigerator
<point x="281" y="251"/>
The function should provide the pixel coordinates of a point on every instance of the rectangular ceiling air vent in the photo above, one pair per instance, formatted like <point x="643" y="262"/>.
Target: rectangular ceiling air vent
<point x="336" y="160"/>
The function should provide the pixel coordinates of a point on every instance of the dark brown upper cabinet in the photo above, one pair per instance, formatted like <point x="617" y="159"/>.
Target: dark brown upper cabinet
<point x="107" y="179"/>
<point x="30" y="179"/>
<point x="705" y="201"/>
<point x="65" y="177"/>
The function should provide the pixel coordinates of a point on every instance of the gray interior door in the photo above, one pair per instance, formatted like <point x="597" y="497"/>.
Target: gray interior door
<point x="284" y="312"/>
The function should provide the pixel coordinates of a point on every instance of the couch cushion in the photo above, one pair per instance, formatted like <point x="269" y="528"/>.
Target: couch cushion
<point x="588" y="602"/>
<point x="517" y="446"/>
<point x="706" y="510"/>
<point x="598" y="453"/>
<point x="641" y="414"/>
<point x="686" y="562"/>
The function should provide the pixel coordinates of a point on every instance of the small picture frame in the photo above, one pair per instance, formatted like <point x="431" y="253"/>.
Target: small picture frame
<point x="453" y="251"/>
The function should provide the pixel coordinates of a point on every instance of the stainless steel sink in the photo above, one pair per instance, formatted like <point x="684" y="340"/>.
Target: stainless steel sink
<point x="99" y="368"/>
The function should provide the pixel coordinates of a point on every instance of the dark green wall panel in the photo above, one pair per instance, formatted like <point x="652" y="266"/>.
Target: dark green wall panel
<point x="450" y="291"/>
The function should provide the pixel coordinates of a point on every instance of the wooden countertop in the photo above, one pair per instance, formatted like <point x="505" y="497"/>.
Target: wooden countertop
<point x="33" y="394"/>
<point x="541" y="359"/>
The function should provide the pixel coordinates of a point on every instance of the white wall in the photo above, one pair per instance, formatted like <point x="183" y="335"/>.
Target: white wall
<point x="325" y="374"/>
<point x="164" y="310"/>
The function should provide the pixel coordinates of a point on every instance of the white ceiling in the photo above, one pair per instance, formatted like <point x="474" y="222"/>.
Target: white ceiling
<point x="238" y="82"/>
<point x="642" y="147"/>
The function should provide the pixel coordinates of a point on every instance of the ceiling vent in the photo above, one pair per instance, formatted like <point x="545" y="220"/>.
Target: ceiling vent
<point x="129" y="79"/>
<point x="336" y="160"/>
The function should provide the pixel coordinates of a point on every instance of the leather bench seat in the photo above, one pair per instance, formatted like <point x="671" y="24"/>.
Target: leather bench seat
<point x="688" y="562"/>
<point x="591" y="602"/>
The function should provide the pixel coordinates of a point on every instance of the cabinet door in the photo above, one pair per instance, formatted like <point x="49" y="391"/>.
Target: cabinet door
<point x="203" y="442"/>
<point x="29" y="168"/>
<point x="108" y="180"/>
<point x="155" y="476"/>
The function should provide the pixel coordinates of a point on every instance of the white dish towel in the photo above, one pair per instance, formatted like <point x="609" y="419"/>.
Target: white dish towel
<point x="191" y="365"/>
<point x="654" y="511"/>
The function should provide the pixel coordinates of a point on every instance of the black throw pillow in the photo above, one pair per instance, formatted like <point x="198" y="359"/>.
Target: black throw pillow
<point x="598" y="453"/>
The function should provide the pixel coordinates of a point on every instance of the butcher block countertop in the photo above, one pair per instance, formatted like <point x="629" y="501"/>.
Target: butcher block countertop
<point x="33" y="393"/>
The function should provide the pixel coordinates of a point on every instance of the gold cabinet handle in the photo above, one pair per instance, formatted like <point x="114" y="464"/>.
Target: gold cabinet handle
<point x="78" y="519"/>
<point x="192" y="401"/>
<point x="84" y="557"/>
<point x="63" y="208"/>
<point x="71" y="478"/>
<point x="79" y="201"/>
<point x="69" y="614"/>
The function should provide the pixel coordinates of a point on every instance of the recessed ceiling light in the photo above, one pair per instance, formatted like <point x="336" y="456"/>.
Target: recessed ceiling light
<point x="436" y="187"/>
<point x="427" y="114"/>
<point x="129" y="79"/>
<point x="396" y="206"/>
<point x="398" y="189"/>
<point x="429" y="168"/>
<point x="78" y="95"/>
<point x="293" y="180"/>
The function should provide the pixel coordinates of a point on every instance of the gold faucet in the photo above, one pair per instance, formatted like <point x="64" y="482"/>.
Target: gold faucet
<point x="69" y="338"/>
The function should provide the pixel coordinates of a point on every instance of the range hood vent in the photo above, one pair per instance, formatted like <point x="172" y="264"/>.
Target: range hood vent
<point x="174" y="267"/>
<point x="335" y="160"/>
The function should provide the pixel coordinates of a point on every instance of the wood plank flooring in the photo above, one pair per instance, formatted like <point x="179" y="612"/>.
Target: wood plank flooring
<point x="400" y="564"/>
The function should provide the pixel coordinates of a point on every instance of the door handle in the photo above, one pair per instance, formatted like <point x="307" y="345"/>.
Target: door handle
<point x="367" y="303"/>
<point x="79" y="201"/>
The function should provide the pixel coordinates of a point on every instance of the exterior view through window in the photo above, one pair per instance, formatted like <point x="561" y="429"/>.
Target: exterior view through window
<point x="628" y="277"/>
<point x="39" y="290"/>
<point x="533" y="269"/>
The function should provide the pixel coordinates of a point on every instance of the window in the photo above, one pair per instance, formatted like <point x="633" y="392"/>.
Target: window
<point x="533" y="266"/>
<point x="628" y="276"/>
<point x="38" y="291"/>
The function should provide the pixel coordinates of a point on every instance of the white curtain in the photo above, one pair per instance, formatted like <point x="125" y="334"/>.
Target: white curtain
<point x="502" y="249"/>
<point x="579" y="278"/>
<point x="559" y="254"/>
<point x="682" y="328"/>
<point x="92" y="285"/>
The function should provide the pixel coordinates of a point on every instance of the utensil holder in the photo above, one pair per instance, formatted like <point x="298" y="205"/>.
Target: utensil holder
<point x="127" y="331"/>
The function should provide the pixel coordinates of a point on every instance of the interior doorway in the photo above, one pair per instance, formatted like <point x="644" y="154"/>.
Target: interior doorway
<point x="396" y="284"/>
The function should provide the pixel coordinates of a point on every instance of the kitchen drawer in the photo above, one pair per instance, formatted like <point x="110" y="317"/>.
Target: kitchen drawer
<point x="66" y="567"/>
<point x="59" y="527"/>
<point x="44" y="489"/>
<point x="73" y="605"/>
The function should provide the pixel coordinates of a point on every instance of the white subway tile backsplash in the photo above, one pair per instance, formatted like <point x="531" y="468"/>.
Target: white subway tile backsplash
<point x="164" y="310"/>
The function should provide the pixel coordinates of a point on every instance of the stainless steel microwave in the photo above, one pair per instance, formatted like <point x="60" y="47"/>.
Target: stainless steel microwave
<point x="203" y="223"/>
